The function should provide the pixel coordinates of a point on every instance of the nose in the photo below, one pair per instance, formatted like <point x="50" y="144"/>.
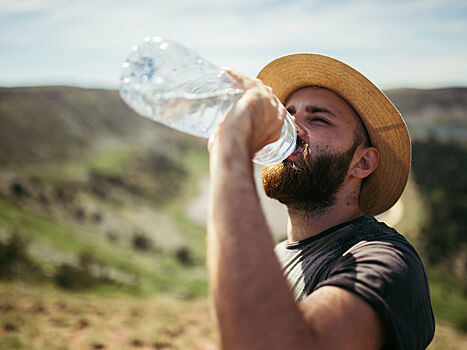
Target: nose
<point x="300" y="131"/>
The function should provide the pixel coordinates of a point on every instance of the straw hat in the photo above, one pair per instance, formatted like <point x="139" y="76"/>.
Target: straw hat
<point x="387" y="130"/>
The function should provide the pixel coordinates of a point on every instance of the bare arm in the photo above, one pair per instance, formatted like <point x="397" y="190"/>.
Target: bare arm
<point x="254" y="305"/>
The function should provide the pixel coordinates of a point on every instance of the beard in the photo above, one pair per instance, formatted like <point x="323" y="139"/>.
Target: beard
<point x="308" y="184"/>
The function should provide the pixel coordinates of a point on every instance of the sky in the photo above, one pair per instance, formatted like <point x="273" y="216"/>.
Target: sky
<point x="411" y="43"/>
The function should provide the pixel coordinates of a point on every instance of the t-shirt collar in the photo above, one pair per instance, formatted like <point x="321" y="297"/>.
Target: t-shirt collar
<point x="298" y="244"/>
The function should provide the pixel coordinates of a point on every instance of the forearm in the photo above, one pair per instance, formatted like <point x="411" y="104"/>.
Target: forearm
<point x="254" y="306"/>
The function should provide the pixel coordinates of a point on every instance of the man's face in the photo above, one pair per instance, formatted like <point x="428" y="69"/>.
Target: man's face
<point x="310" y="177"/>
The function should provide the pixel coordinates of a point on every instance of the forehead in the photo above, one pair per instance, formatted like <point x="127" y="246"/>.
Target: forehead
<point x="323" y="98"/>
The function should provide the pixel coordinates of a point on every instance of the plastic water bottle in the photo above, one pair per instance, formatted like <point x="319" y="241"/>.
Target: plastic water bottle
<point x="169" y="83"/>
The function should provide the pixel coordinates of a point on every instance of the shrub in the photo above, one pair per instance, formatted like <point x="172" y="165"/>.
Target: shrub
<point x="184" y="256"/>
<point x="141" y="242"/>
<point x="72" y="277"/>
<point x="83" y="275"/>
<point x="462" y="324"/>
<point x="14" y="259"/>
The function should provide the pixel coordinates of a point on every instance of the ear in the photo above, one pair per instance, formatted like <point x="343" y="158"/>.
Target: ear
<point x="365" y="161"/>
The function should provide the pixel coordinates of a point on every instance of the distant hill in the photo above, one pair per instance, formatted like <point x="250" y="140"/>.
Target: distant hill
<point x="439" y="113"/>
<point x="56" y="122"/>
<point x="411" y="101"/>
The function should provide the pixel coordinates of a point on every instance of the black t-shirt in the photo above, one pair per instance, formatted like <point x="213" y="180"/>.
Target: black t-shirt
<point x="375" y="262"/>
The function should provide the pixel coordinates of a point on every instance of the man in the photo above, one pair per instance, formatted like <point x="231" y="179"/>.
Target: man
<point x="344" y="280"/>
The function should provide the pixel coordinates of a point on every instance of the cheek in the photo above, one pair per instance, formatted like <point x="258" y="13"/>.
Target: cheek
<point x="326" y="140"/>
<point x="318" y="134"/>
<point x="341" y="138"/>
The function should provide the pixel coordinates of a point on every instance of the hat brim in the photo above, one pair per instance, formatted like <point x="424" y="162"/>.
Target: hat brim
<point x="386" y="128"/>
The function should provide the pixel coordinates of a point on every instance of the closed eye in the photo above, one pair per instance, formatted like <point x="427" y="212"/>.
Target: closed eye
<point x="318" y="120"/>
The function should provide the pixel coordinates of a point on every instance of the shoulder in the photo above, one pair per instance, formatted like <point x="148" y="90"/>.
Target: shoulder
<point x="389" y="275"/>
<point x="386" y="264"/>
<point x="381" y="250"/>
<point x="393" y="255"/>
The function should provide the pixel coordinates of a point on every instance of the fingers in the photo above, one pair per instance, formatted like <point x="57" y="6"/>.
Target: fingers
<point x="245" y="81"/>
<point x="258" y="114"/>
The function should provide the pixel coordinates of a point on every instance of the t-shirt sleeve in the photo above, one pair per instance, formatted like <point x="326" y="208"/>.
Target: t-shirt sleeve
<point x="390" y="276"/>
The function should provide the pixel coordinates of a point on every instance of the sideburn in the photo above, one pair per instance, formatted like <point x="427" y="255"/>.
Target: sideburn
<point x="306" y="184"/>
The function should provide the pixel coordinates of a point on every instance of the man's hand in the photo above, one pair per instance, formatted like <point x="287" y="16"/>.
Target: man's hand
<point x="256" y="119"/>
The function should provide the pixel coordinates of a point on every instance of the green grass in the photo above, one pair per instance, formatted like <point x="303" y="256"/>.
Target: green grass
<point x="197" y="162"/>
<point x="40" y="228"/>
<point x="12" y="341"/>
<point x="155" y="272"/>
<point x="107" y="162"/>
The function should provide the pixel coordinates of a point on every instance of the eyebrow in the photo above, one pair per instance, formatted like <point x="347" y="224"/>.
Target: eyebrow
<point x="315" y="109"/>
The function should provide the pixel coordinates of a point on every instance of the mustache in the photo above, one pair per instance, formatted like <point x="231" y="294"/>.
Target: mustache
<point x="300" y="142"/>
<point x="304" y="159"/>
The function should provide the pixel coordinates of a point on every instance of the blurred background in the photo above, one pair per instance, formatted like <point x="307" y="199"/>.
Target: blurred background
<point x="102" y="213"/>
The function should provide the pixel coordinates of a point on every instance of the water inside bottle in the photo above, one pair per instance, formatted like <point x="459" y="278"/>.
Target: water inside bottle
<point x="194" y="114"/>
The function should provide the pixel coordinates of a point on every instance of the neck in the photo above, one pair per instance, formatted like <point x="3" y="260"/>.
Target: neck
<point x="303" y="224"/>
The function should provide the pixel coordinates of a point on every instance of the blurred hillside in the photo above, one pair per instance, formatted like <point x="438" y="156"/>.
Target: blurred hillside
<point x="437" y="121"/>
<point x="96" y="192"/>
<point x="93" y="199"/>
<point x="437" y="113"/>
<point x="54" y="123"/>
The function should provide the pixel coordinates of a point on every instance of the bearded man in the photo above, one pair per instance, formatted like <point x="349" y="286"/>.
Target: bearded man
<point x="341" y="280"/>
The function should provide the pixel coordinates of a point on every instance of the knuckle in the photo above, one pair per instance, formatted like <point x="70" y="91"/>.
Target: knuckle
<point x="256" y="80"/>
<point x="255" y="94"/>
